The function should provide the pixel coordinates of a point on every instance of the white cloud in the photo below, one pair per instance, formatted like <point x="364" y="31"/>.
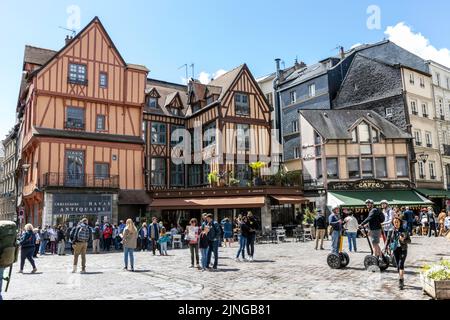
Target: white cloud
<point x="405" y="37"/>
<point x="355" y="45"/>
<point x="205" y="77"/>
<point x="218" y="73"/>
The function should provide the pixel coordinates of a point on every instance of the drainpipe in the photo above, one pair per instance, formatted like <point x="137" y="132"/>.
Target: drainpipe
<point x="277" y="104"/>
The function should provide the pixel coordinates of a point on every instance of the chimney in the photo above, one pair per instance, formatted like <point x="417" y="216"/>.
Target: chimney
<point x="342" y="52"/>
<point x="68" y="39"/>
<point x="277" y="62"/>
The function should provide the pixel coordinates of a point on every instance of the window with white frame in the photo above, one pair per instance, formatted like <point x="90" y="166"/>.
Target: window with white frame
<point x="421" y="170"/>
<point x="389" y="112"/>
<point x="77" y="73"/>
<point x="441" y="107"/>
<point x="243" y="137"/>
<point x="295" y="126"/>
<point x="312" y="90"/>
<point x="422" y="82"/>
<point x="414" y="107"/>
<point x="425" y="110"/>
<point x="432" y="168"/>
<point x="293" y="97"/>
<point x="438" y="79"/>
<point x="411" y="78"/>
<point x="241" y="104"/>
<point x="428" y="139"/>
<point x="296" y="152"/>
<point x="418" y="137"/>
<point x="402" y="167"/>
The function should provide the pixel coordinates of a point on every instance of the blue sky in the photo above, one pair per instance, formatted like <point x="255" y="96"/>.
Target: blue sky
<point x="214" y="35"/>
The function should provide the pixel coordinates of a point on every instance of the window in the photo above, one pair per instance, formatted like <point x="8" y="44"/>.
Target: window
<point x="422" y="82"/>
<point x="242" y="173"/>
<point x="100" y="122"/>
<point x="448" y="83"/>
<point x="332" y="168"/>
<point x="152" y="102"/>
<point x="375" y="136"/>
<point x="176" y="174"/>
<point x="209" y="100"/>
<point x="389" y="112"/>
<point x="411" y="78"/>
<point x="158" y="172"/>
<point x="209" y="135"/>
<point x="365" y="149"/>
<point x="158" y="133"/>
<point x="293" y="97"/>
<point x="296" y="153"/>
<point x="295" y="126"/>
<point x="363" y="130"/>
<point x="195" y="175"/>
<point x="312" y="90"/>
<point x="438" y="79"/>
<point x="243" y="137"/>
<point x="418" y="137"/>
<point x="74" y="118"/>
<point x="206" y="172"/>
<point x="354" y="136"/>
<point x="103" y="80"/>
<point x="318" y="151"/>
<point x="195" y="107"/>
<point x="367" y="167"/>
<point x="428" y="139"/>
<point x="319" y="168"/>
<point x="441" y="108"/>
<point x="241" y="104"/>
<point x="380" y="168"/>
<point x="414" y="107"/>
<point x="425" y="110"/>
<point x="175" y="111"/>
<point x="353" y="168"/>
<point x="317" y="138"/>
<point x="176" y="134"/>
<point x="432" y="167"/>
<point x="402" y="167"/>
<point x="77" y="73"/>
<point x="101" y="170"/>
<point x="421" y="170"/>
<point x="269" y="98"/>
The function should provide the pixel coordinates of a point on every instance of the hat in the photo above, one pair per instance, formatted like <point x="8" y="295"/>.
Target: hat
<point x="383" y="201"/>
<point x="334" y="207"/>
<point x="369" y="201"/>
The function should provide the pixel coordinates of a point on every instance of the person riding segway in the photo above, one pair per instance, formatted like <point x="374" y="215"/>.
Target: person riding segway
<point x="337" y="258"/>
<point x="374" y="221"/>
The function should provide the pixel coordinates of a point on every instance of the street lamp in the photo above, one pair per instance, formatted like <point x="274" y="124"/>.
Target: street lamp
<point x="423" y="157"/>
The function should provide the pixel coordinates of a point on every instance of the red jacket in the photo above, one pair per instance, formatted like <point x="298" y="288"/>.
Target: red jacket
<point x="107" y="233"/>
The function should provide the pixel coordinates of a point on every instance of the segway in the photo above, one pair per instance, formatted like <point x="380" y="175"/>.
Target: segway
<point x="340" y="260"/>
<point x="371" y="260"/>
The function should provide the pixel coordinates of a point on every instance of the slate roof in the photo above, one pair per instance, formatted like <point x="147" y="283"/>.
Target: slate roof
<point x="335" y="124"/>
<point x="226" y="80"/>
<point x="38" y="56"/>
<point x="304" y="74"/>
<point x="46" y="132"/>
<point x="167" y="91"/>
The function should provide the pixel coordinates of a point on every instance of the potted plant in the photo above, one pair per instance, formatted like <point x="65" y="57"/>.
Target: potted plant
<point x="234" y="182"/>
<point x="222" y="179"/>
<point x="213" y="178"/>
<point x="308" y="217"/>
<point x="256" y="168"/>
<point x="435" y="280"/>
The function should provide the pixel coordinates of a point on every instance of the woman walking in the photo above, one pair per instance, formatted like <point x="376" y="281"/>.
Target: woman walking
<point x="245" y="233"/>
<point x="398" y="243"/>
<point x="204" y="245"/>
<point x="129" y="242"/>
<point x="27" y="247"/>
<point x="61" y="241"/>
<point x="351" y="225"/>
<point x="192" y="233"/>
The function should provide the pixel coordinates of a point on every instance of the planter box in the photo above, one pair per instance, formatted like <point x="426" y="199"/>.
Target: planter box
<point x="439" y="290"/>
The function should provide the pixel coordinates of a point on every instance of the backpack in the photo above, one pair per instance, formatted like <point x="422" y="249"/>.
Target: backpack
<point x="83" y="234"/>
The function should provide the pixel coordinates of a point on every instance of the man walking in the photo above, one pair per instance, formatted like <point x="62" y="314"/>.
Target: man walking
<point x="45" y="237"/>
<point x="96" y="238"/>
<point x="320" y="225"/>
<point x="253" y="225"/>
<point x="80" y="237"/>
<point x="374" y="220"/>
<point x="408" y="215"/>
<point x="336" y="223"/>
<point x="153" y="233"/>
<point x="213" y="241"/>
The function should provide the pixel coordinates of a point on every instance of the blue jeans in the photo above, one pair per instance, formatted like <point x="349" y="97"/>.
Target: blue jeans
<point x="1" y="282"/>
<point x="251" y="244"/>
<point x="204" y="253"/>
<point x="242" y="245"/>
<point x="335" y="242"/>
<point x="42" y="247"/>
<point x="117" y="243"/>
<point x="213" y="247"/>
<point x="410" y="227"/>
<point x="351" y="240"/>
<point x="128" y="252"/>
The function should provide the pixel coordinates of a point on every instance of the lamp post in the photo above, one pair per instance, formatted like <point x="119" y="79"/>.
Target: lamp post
<point x="423" y="157"/>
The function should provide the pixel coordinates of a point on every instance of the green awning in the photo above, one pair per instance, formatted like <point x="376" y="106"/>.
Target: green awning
<point x="435" y="193"/>
<point x="394" y="197"/>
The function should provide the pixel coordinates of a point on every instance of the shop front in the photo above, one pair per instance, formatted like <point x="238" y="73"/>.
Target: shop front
<point x="352" y="195"/>
<point x="441" y="198"/>
<point x="69" y="208"/>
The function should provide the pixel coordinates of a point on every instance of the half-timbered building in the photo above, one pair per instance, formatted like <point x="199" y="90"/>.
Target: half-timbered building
<point x="81" y="134"/>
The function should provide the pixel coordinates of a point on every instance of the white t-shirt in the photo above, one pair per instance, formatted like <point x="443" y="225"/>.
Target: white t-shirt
<point x="351" y="224"/>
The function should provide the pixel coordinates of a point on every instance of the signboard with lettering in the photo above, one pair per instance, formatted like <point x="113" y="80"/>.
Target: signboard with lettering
<point x="369" y="184"/>
<point x="82" y="204"/>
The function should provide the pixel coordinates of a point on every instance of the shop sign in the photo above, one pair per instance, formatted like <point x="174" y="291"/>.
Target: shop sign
<point x="82" y="204"/>
<point x="369" y="184"/>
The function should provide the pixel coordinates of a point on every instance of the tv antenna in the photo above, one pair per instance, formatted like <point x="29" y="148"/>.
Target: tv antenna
<point x="185" y="66"/>
<point x="192" y="68"/>
<point x="74" y="32"/>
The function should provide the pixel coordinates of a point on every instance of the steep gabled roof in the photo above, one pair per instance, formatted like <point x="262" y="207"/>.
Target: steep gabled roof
<point x="167" y="92"/>
<point x="336" y="124"/>
<point x="226" y="80"/>
<point x="38" y="56"/>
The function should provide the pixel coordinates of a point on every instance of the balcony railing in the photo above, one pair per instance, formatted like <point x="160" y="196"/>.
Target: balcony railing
<point x="52" y="179"/>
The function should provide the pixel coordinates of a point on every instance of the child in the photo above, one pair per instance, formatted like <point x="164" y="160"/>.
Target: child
<point x="163" y="239"/>
<point x="204" y="245"/>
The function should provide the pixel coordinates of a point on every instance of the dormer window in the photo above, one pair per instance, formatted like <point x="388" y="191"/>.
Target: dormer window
<point x="209" y="100"/>
<point x="152" y="102"/>
<point x="175" y="111"/>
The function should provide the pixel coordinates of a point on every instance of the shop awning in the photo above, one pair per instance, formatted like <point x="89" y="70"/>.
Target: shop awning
<point x="208" y="203"/>
<point x="290" y="199"/>
<point x="435" y="193"/>
<point x="394" y="197"/>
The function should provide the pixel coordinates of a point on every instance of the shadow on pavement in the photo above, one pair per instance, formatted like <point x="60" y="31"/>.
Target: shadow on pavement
<point x="142" y="271"/>
<point x="263" y="261"/>
<point x="31" y="274"/>
<point x="227" y="270"/>
<point x="91" y="273"/>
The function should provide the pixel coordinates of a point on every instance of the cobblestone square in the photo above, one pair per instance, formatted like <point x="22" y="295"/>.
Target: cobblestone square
<point x="291" y="270"/>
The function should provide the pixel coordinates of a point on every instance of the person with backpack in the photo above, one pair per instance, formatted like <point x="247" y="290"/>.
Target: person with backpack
<point x="129" y="241"/>
<point x="320" y="224"/>
<point x="80" y="237"/>
<point x="61" y="237"/>
<point x="398" y="243"/>
<point x="96" y="235"/>
<point x="153" y="234"/>
<point x="44" y="240"/>
<point x="27" y="243"/>
<point x="107" y="236"/>
<point x="374" y="220"/>
<point x="213" y="240"/>
<point x="253" y="225"/>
